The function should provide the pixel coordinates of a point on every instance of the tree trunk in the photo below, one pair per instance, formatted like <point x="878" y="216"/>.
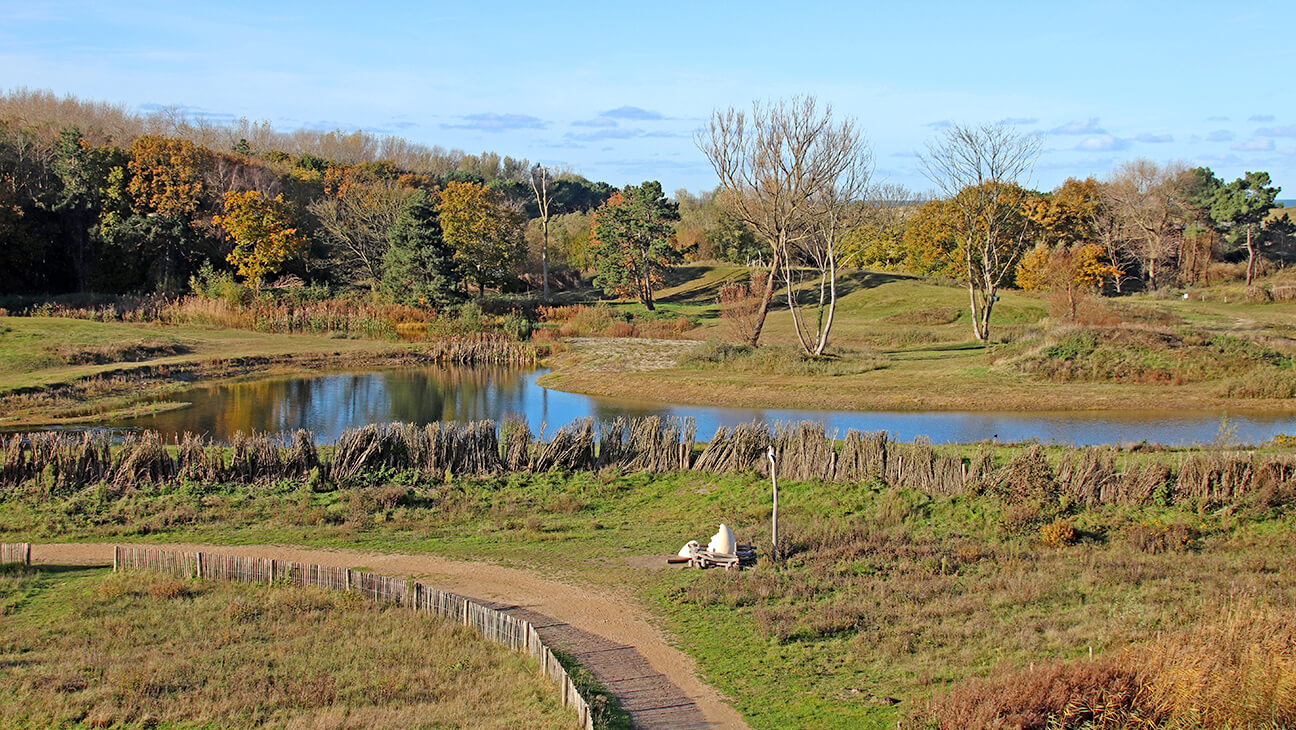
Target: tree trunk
<point x="972" y="298"/>
<point x="1251" y="258"/>
<point x="544" y="258"/>
<point x="766" y="298"/>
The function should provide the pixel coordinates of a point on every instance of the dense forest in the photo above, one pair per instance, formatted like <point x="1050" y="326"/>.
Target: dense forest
<point x="96" y="198"/>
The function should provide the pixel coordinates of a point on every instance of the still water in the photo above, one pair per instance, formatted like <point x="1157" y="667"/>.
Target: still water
<point x="330" y="403"/>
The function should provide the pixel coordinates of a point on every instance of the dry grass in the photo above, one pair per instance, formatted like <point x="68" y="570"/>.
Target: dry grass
<point x="143" y="650"/>
<point x="1233" y="671"/>
<point x="1143" y="354"/>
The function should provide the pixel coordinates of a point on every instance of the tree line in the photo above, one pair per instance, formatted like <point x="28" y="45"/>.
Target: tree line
<point x="799" y="179"/>
<point x="95" y="199"/>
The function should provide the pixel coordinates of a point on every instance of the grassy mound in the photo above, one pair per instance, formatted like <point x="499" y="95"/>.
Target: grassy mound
<point x="1134" y="354"/>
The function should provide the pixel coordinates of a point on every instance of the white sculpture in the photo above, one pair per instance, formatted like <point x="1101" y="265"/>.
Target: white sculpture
<point x="723" y="542"/>
<point x="690" y="549"/>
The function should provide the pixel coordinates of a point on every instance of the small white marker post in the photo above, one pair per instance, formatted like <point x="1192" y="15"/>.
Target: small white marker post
<point x="774" y="480"/>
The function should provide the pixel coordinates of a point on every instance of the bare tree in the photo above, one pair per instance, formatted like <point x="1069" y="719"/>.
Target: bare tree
<point x="540" y="186"/>
<point x="1142" y="195"/>
<point x="836" y="211"/>
<point x="979" y="170"/>
<point x="774" y="164"/>
<point x="355" y="226"/>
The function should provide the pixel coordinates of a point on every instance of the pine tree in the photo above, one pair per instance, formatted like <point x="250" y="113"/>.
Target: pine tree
<point x="419" y="266"/>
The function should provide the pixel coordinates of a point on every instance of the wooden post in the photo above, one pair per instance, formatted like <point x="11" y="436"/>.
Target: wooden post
<point x="774" y="551"/>
<point x="198" y="563"/>
<point x="27" y="555"/>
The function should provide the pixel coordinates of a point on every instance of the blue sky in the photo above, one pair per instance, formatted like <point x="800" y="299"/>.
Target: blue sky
<point x="616" y="90"/>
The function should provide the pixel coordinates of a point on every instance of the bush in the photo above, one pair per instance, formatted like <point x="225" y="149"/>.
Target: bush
<point x="517" y="326"/>
<point x="213" y="284"/>
<point x="773" y="360"/>
<point x="1155" y="537"/>
<point x="1058" y="533"/>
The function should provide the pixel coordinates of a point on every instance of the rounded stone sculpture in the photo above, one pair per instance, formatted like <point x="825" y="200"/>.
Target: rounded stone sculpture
<point x="723" y="542"/>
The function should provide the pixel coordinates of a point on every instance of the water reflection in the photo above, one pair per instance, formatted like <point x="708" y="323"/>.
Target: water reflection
<point x="330" y="403"/>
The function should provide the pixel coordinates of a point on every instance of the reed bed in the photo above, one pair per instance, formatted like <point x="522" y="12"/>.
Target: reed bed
<point x="484" y="348"/>
<point x="60" y="463"/>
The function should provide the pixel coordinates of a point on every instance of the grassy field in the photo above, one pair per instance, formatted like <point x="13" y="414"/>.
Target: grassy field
<point x="904" y="343"/>
<point x="888" y="598"/>
<point x="88" y="648"/>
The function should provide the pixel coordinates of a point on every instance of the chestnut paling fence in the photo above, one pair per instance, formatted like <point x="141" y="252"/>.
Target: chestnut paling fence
<point x="52" y="464"/>
<point x="15" y="552"/>
<point x="496" y="625"/>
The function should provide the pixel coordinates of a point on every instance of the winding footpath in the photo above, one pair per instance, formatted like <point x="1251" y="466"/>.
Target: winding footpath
<point x="656" y="683"/>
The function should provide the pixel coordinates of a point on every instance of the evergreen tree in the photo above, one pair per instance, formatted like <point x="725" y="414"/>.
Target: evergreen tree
<point x="1242" y="205"/>
<point x="631" y="241"/>
<point x="419" y="266"/>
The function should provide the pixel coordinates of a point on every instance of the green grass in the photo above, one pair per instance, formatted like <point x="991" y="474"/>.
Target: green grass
<point x="138" y="650"/>
<point x="905" y="343"/>
<point x="886" y="594"/>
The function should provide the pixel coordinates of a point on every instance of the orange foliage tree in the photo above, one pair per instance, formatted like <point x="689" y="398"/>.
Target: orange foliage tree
<point x="166" y="175"/>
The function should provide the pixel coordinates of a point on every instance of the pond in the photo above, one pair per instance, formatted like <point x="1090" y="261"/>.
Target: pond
<point x="329" y="403"/>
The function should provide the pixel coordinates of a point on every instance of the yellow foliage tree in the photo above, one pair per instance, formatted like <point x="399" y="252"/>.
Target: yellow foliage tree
<point x="262" y="232"/>
<point x="487" y="237"/>
<point x="1074" y="271"/>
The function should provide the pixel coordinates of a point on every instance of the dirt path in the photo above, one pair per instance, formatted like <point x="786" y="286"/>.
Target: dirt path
<point x="656" y="683"/>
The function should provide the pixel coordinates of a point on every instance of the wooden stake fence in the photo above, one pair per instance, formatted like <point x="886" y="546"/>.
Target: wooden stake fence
<point x="516" y="633"/>
<point x="15" y="552"/>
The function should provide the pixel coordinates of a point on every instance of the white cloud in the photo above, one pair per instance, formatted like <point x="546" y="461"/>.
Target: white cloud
<point x="1220" y="135"/>
<point x="1083" y="126"/>
<point x="492" y="122"/>
<point x="632" y="112"/>
<point x="1287" y="131"/>
<point x="1153" y="138"/>
<point x="1254" y="145"/>
<point x="1102" y="143"/>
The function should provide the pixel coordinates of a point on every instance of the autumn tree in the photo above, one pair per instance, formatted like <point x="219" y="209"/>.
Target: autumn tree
<point x="772" y="163"/>
<point x="1242" y="206"/>
<point x="978" y="169"/>
<point x="167" y="175"/>
<point x="630" y="241"/>
<point x="419" y="267"/>
<point x="486" y="236"/>
<point x="262" y="231"/>
<point x="1075" y="271"/>
<point x="930" y="240"/>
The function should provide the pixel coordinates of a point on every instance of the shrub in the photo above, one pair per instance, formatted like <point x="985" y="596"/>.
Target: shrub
<point x="517" y="326"/>
<point x="1058" y="533"/>
<point x="1155" y="537"/>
